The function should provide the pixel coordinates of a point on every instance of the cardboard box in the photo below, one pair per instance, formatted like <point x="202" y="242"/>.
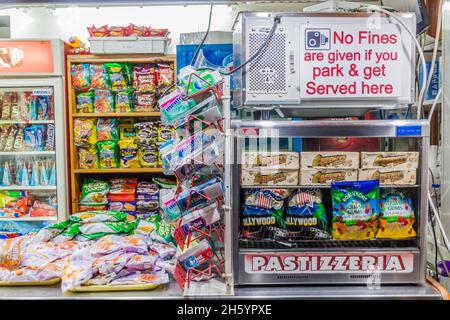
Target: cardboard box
<point x="330" y="160"/>
<point x="271" y="160"/>
<point x="389" y="176"/>
<point x="387" y="160"/>
<point x="326" y="176"/>
<point x="269" y="177"/>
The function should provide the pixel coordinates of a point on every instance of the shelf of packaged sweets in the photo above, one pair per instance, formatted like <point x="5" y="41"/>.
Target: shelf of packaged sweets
<point x="26" y="121"/>
<point x="116" y="114"/>
<point x="50" y="218"/>
<point x="325" y="186"/>
<point x="28" y="188"/>
<point x="27" y="153"/>
<point x="120" y="170"/>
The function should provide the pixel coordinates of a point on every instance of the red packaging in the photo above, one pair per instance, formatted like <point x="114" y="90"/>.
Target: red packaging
<point x="102" y="31"/>
<point x="164" y="74"/>
<point x="158" y="32"/>
<point x="133" y="30"/>
<point x="41" y="209"/>
<point x="118" y="31"/>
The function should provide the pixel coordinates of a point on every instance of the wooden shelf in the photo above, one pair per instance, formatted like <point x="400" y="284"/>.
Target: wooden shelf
<point x="134" y="58"/>
<point x="120" y="170"/>
<point x="118" y="114"/>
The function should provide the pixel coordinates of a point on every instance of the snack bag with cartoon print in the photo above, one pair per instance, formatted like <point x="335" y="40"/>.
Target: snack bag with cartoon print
<point x="396" y="215"/>
<point x="355" y="209"/>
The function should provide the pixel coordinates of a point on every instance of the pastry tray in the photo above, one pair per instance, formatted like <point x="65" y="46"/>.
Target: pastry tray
<point x="120" y="287"/>
<point x="29" y="283"/>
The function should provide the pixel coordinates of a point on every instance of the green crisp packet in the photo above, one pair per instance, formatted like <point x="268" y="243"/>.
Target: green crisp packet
<point x="98" y="216"/>
<point x="94" y="191"/>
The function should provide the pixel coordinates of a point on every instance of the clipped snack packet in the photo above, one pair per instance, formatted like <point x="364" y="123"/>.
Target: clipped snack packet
<point x="85" y="102"/>
<point x="107" y="154"/>
<point x="122" y="227"/>
<point x="94" y="191"/>
<point x="263" y="212"/>
<point x="146" y="131"/>
<point x="127" y="131"/>
<point x="98" y="76"/>
<point x="103" y="101"/>
<point x="107" y="129"/>
<point x="306" y="216"/>
<point x="85" y="131"/>
<point x="164" y="74"/>
<point x="52" y="231"/>
<point x="396" y="219"/>
<point x="144" y="102"/>
<point x="80" y="76"/>
<point x="87" y="157"/>
<point x="117" y="75"/>
<point x="355" y="209"/>
<point x="68" y="234"/>
<point x="128" y="151"/>
<point x="123" y="101"/>
<point x="102" y="31"/>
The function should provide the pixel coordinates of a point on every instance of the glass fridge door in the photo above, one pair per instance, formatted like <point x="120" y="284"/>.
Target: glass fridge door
<point x="30" y="166"/>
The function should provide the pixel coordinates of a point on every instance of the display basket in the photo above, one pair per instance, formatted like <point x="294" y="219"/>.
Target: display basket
<point x="128" y="45"/>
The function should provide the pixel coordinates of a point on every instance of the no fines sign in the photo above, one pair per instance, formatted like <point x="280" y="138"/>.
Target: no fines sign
<point x="350" y="61"/>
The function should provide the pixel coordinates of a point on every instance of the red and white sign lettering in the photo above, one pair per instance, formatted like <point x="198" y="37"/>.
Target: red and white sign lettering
<point x="329" y="263"/>
<point x="353" y="60"/>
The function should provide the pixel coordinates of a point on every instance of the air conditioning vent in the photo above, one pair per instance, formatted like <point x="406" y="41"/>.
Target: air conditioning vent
<point x="292" y="276"/>
<point x="267" y="73"/>
<point x="365" y="276"/>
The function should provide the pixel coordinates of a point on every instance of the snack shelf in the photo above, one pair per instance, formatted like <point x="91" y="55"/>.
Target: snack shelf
<point x="26" y="121"/>
<point x="27" y="153"/>
<point x="325" y="187"/>
<point x="28" y="188"/>
<point x="52" y="218"/>
<point x="266" y="261"/>
<point x="114" y="115"/>
<point x="120" y="170"/>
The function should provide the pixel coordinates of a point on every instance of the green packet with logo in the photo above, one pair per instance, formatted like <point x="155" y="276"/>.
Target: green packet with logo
<point x="356" y="206"/>
<point x="98" y="216"/>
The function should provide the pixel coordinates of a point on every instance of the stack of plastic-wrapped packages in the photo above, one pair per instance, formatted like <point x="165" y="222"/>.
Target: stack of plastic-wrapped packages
<point x="140" y="254"/>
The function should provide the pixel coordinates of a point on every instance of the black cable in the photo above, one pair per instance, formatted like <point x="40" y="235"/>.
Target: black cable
<point x="433" y="227"/>
<point x="204" y="37"/>
<point x="276" y="21"/>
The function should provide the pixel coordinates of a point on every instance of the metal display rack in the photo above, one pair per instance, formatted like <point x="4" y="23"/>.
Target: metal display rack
<point x="411" y="252"/>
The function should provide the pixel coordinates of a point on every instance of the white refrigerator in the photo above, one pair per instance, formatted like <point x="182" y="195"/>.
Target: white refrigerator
<point x="33" y="166"/>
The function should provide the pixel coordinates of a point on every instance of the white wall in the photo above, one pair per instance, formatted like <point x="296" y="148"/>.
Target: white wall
<point x="65" y="22"/>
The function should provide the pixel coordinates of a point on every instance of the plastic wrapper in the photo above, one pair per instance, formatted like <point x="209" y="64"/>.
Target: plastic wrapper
<point x="68" y="234"/>
<point x="98" y="216"/>
<point x="107" y="154"/>
<point x="107" y="129"/>
<point x="52" y="231"/>
<point x="355" y="209"/>
<point x="94" y="191"/>
<point x="80" y="76"/>
<point x="173" y="106"/>
<point x="87" y="157"/>
<point x="396" y="219"/>
<point x="85" y="102"/>
<point x="127" y="132"/>
<point x="306" y="216"/>
<point x="144" y="102"/>
<point x="34" y="137"/>
<point x="78" y="269"/>
<point x="49" y="137"/>
<point x="85" y="131"/>
<point x="262" y="216"/>
<point x="164" y="251"/>
<point x="41" y="209"/>
<point x="129" y="154"/>
<point x="98" y="76"/>
<point x="106" y="227"/>
<point x="103" y="101"/>
<point x="123" y="101"/>
<point x="112" y="243"/>
<point x="118" y="75"/>
<point x="102" y="31"/>
<point x="164" y="74"/>
<point x="143" y="278"/>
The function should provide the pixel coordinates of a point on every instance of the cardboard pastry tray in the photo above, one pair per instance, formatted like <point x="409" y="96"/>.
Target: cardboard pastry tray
<point x="120" y="287"/>
<point x="29" y="283"/>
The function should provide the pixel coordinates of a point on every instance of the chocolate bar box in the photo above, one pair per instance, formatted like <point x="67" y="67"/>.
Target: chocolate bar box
<point x="396" y="160"/>
<point x="389" y="176"/>
<point x="270" y="160"/>
<point x="326" y="176"/>
<point x="269" y="177"/>
<point x="330" y="160"/>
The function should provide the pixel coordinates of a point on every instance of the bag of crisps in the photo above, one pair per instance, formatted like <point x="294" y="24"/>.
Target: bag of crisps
<point x="396" y="215"/>
<point x="355" y="209"/>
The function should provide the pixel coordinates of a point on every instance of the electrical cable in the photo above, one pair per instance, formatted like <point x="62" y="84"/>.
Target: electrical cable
<point x="433" y="228"/>
<point x="435" y="49"/>
<point x="436" y="216"/>
<point x="418" y="47"/>
<point x="204" y="37"/>
<point x="430" y="115"/>
<point x="276" y="21"/>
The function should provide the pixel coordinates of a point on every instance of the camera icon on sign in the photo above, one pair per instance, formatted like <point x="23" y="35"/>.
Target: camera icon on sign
<point x="317" y="39"/>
